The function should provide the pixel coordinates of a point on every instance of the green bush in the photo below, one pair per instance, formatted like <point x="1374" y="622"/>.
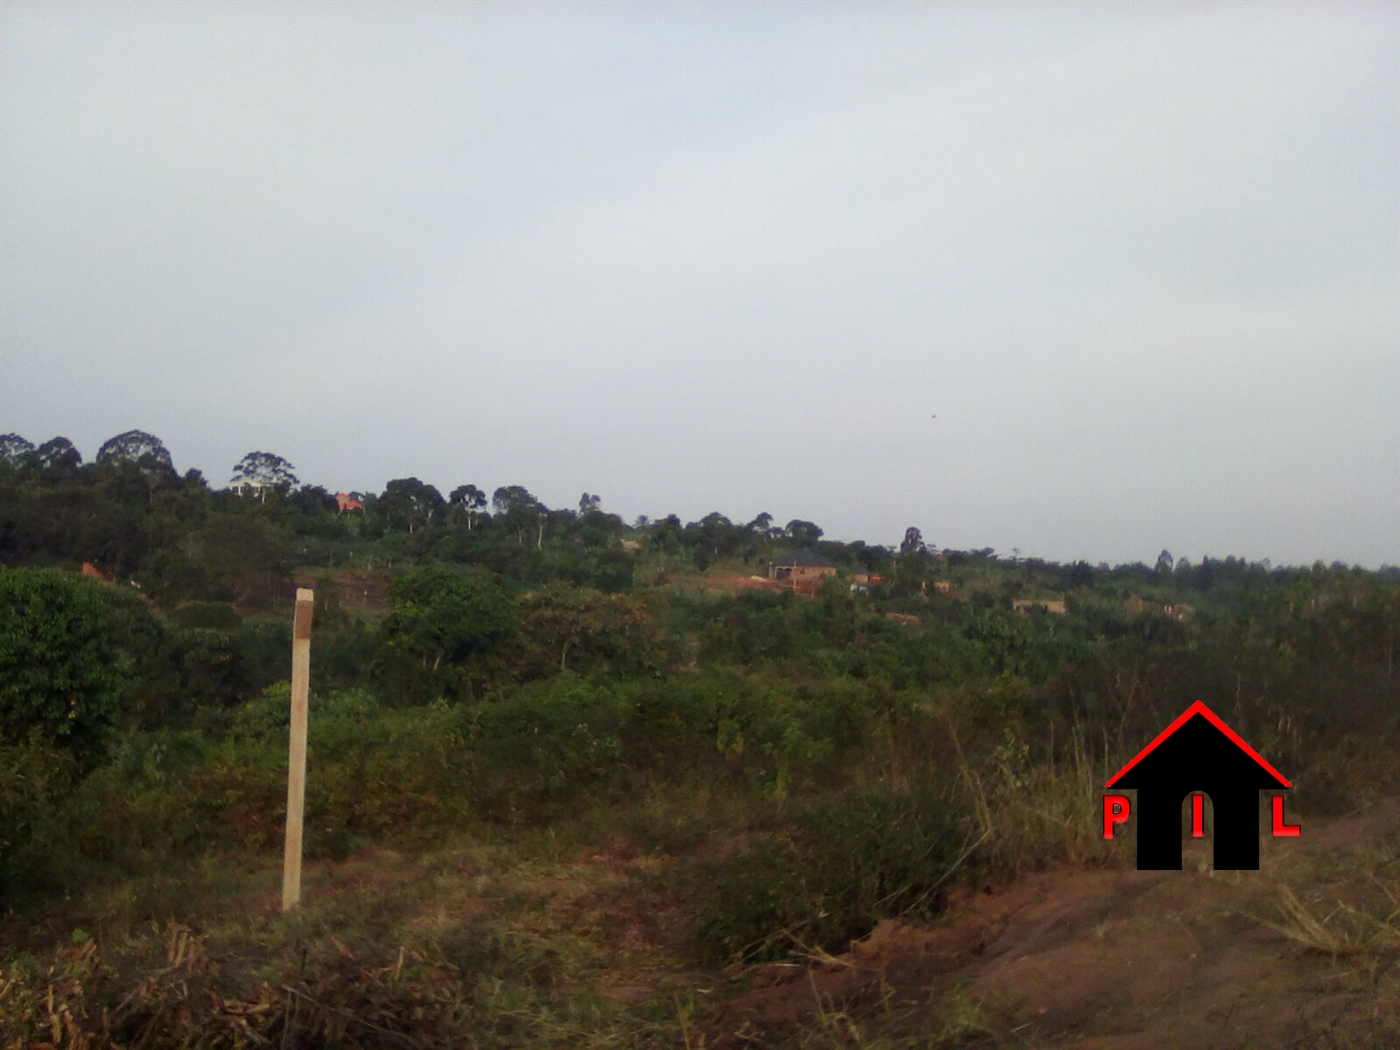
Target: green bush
<point x="544" y="750"/>
<point x="34" y="778"/>
<point x="830" y="876"/>
<point x="135" y="812"/>
<point x="65" y="673"/>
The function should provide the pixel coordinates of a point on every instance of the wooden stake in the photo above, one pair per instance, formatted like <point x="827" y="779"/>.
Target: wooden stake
<point x="296" y="751"/>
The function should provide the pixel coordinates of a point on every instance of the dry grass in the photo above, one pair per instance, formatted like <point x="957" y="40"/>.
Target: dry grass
<point x="1035" y="815"/>
<point x="1344" y="930"/>
<point x="948" y="1020"/>
<point x="476" y="947"/>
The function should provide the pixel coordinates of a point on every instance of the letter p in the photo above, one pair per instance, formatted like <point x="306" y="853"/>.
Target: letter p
<point x="1115" y="811"/>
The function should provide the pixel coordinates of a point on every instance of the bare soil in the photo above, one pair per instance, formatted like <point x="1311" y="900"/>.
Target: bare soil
<point x="1113" y="960"/>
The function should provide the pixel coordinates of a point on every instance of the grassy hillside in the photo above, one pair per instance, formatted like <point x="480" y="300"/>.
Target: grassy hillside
<point x="580" y="783"/>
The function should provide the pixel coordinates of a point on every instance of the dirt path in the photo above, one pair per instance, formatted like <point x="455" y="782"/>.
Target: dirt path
<point x="1112" y="960"/>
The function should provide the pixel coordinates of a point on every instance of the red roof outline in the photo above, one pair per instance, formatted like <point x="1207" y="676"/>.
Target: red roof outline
<point x="1199" y="708"/>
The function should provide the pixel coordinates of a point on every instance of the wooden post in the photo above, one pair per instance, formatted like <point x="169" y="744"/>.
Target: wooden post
<point x="296" y="750"/>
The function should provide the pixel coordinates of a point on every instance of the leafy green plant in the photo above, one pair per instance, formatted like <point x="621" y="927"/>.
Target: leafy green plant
<point x="64" y="673"/>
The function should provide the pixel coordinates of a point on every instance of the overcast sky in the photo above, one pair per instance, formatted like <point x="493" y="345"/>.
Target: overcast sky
<point x="1142" y="262"/>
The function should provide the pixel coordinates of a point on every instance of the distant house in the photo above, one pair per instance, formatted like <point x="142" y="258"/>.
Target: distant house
<point x="1177" y="610"/>
<point x="1050" y="605"/>
<point x="802" y="570"/>
<point x="344" y="501"/>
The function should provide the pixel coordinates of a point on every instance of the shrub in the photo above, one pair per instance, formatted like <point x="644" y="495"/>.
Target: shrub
<point x="829" y="877"/>
<point x="34" y="776"/>
<point x="544" y="750"/>
<point x="63" y="672"/>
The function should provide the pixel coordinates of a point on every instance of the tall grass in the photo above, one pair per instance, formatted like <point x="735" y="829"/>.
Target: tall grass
<point x="823" y="874"/>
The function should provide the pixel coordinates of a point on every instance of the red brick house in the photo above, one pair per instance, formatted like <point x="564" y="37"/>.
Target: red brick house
<point x="801" y="570"/>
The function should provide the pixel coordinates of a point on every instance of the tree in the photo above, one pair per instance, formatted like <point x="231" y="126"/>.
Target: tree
<point x="715" y="533"/>
<point x="440" y="617"/>
<point x="667" y="534"/>
<point x="262" y="471"/>
<point x="761" y="524"/>
<point x="409" y="503"/>
<point x="247" y="554"/>
<point x="589" y="504"/>
<point x="913" y="542"/>
<point x="135" y="462"/>
<point x="312" y="501"/>
<point x="15" y="451"/>
<point x="869" y="558"/>
<point x="469" y="500"/>
<point x="578" y="627"/>
<point x="1165" y="563"/>
<point x="803" y="533"/>
<point x="145" y="450"/>
<point x="1081" y="575"/>
<point x="58" y="454"/>
<point x="508" y="499"/>
<point x="521" y="511"/>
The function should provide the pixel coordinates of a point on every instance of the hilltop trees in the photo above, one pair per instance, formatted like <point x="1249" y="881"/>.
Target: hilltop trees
<point x="408" y="503"/>
<point x="467" y="500"/>
<point x="262" y="471"/>
<point x="913" y="542"/>
<point x="803" y="533"/>
<point x="761" y="523"/>
<point x="135" y="462"/>
<point x="1080" y="576"/>
<point x="58" y="454"/>
<point x="146" y="451"/>
<point x="520" y="511"/>
<point x="15" y="451"/>
<point x="717" y="533"/>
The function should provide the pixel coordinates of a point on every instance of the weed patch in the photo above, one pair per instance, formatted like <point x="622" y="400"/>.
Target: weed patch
<point x="829" y="876"/>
